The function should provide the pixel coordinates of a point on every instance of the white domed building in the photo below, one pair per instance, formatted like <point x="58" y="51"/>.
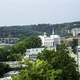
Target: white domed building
<point x="50" y="41"/>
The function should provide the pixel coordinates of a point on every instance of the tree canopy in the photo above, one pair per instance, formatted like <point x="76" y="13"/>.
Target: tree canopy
<point x="60" y="59"/>
<point x="38" y="70"/>
<point x="16" y="52"/>
<point x="26" y="43"/>
<point x="50" y="65"/>
<point x="3" y="69"/>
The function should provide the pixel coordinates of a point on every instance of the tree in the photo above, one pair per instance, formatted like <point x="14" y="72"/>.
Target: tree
<point x="14" y="57"/>
<point x="32" y="42"/>
<point x="38" y="70"/>
<point x="17" y="51"/>
<point x="25" y="43"/>
<point x="60" y="59"/>
<point x="74" y="45"/>
<point x="50" y="65"/>
<point x="4" y="52"/>
<point x="3" y="69"/>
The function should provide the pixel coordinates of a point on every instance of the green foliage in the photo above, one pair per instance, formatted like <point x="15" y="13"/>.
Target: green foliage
<point x="4" y="52"/>
<point x="50" y="65"/>
<point x="3" y="69"/>
<point x="38" y="70"/>
<point x="53" y="74"/>
<point x="60" y="59"/>
<point x="74" y="45"/>
<point x="32" y="30"/>
<point x="46" y="55"/>
<point x="16" y="52"/>
<point x="14" y="57"/>
<point x="23" y="44"/>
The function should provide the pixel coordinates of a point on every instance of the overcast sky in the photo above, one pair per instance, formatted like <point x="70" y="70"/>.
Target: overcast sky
<point x="23" y="12"/>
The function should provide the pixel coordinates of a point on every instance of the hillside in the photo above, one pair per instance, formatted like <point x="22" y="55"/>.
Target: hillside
<point x="29" y="30"/>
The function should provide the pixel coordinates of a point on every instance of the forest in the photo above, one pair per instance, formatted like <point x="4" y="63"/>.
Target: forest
<point x="34" y="30"/>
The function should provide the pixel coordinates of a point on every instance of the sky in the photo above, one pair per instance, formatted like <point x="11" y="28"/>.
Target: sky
<point x="26" y="12"/>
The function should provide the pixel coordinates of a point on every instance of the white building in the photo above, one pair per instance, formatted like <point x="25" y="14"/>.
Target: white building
<point x="50" y="41"/>
<point x="75" y="31"/>
<point x="75" y="56"/>
<point x="33" y="52"/>
<point x="78" y="57"/>
<point x="8" y="41"/>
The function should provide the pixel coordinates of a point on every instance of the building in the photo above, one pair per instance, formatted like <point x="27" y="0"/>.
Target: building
<point x="76" y="35"/>
<point x="50" y="41"/>
<point x="33" y="52"/>
<point x="75" y="31"/>
<point x="78" y="57"/>
<point x="8" y="41"/>
<point x="77" y="48"/>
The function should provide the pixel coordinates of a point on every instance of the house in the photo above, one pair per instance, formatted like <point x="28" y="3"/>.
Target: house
<point x="33" y="52"/>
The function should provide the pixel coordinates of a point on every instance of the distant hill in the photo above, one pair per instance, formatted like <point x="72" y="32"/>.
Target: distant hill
<point x="31" y="30"/>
